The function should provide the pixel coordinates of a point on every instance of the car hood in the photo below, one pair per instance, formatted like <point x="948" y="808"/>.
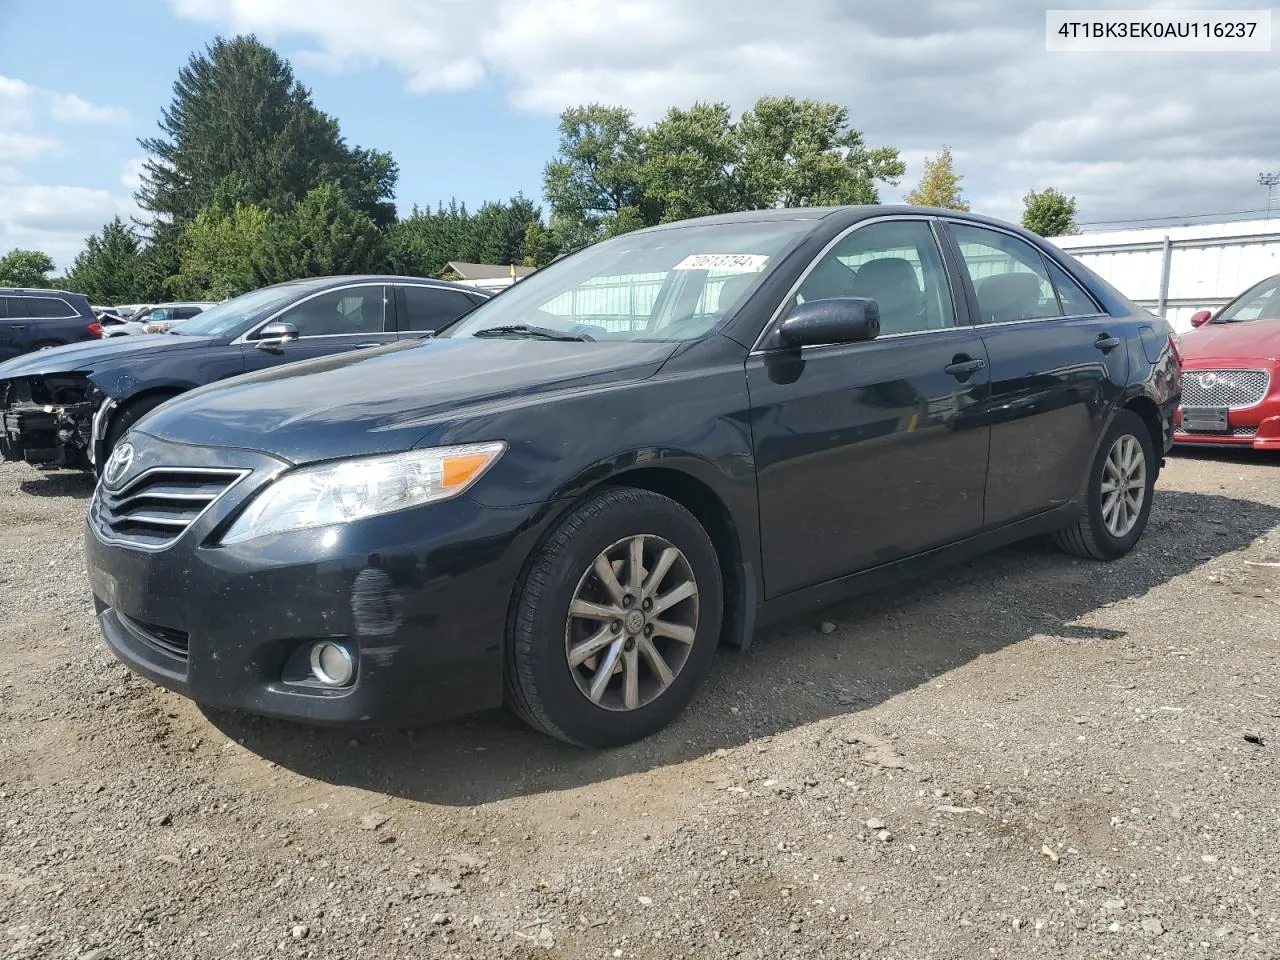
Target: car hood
<point x="1252" y="339"/>
<point x="86" y="357"/>
<point x="389" y="399"/>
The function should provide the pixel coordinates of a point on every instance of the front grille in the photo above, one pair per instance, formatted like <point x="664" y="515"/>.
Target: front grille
<point x="173" y="642"/>
<point x="155" y="509"/>
<point x="1234" y="389"/>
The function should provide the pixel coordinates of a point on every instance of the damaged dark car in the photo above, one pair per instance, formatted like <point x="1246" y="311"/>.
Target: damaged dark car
<point x="68" y="407"/>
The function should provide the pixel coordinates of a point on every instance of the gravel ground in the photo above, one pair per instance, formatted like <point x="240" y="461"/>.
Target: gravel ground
<point x="1029" y="756"/>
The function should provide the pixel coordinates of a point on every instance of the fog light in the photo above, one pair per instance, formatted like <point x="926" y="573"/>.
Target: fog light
<point x="332" y="664"/>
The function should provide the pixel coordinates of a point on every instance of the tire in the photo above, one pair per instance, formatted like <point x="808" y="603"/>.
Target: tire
<point x="47" y="345"/>
<point x="1100" y="533"/>
<point x="545" y="689"/>
<point x="124" y="420"/>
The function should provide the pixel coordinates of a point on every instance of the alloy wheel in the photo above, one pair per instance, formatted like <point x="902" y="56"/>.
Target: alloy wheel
<point x="632" y="622"/>
<point x="1124" y="485"/>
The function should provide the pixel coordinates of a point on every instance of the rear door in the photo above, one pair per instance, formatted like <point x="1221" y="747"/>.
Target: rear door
<point x="869" y="452"/>
<point x="356" y="317"/>
<point x="1059" y="366"/>
<point x="426" y="309"/>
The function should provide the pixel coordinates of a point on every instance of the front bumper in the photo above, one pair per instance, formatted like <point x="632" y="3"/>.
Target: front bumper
<point x="421" y="596"/>
<point x="1256" y="428"/>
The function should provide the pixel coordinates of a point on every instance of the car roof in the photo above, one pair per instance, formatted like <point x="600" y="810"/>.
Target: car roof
<point x="38" y="292"/>
<point x="321" y="283"/>
<point x="846" y="216"/>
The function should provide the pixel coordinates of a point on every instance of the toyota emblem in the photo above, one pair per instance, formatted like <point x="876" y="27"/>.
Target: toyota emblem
<point x="118" y="465"/>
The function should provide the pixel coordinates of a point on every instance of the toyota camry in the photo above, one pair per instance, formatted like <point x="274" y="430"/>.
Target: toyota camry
<point x="567" y="499"/>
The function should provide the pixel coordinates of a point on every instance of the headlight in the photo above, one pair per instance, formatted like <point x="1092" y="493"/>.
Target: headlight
<point x="363" y="487"/>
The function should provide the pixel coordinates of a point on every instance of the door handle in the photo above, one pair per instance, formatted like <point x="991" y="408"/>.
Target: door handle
<point x="1106" y="343"/>
<point x="962" y="367"/>
<point x="364" y="346"/>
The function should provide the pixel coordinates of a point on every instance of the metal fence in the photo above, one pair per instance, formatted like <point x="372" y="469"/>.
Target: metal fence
<point x="1176" y="271"/>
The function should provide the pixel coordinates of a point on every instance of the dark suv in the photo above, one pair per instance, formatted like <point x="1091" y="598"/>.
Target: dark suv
<point x="37" y="319"/>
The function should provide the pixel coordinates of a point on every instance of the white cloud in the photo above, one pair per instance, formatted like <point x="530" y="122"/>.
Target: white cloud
<point x="56" y="219"/>
<point x="16" y="147"/>
<point x="131" y="174"/>
<point x="22" y="105"/>
<point x="70" y="108"/>
<point x="973" y="74"/>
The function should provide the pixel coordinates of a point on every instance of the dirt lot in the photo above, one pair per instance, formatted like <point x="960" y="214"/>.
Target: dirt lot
<point x="1030" y="756"/>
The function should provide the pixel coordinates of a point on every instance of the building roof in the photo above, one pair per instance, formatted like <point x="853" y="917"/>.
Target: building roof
<point x="486" y="271"/>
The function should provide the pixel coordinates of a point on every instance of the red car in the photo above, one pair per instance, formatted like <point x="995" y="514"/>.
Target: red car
<point x="1231" y="373"/>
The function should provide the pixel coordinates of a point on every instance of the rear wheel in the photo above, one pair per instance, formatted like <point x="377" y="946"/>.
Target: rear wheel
<point x="616" y="622"/>
<point x="1118" y="499"/>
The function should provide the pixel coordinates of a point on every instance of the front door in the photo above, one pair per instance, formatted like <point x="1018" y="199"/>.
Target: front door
<point x="1058" y="370"/>
<point x="358" y="317"/>
<point x="869" y="452"/>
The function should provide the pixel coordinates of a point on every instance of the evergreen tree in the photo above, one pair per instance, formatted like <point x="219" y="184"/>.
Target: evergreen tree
<point x="109" y="269"/>
<point x="323" y="236"/>
<point x="237" y="111"/>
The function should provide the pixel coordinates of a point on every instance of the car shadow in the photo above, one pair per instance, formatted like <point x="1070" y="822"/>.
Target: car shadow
<point x="794" y="674"/>
<point x="76" y="484"/>
<point x="1226" y="454"/>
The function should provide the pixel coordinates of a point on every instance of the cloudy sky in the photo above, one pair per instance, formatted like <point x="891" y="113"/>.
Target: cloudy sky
<point x="465" y="93"/>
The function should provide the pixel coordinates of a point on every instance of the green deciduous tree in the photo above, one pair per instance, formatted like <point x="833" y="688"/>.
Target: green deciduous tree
<point x="109" y="269"/>
<point x="940" y="185"/>
<point x="611" y="176"/>
<point x="595" y="177"/>
<point x="1049" y="212"/>
<point x="237" y="111"/>
<point x="693" y="162"/>
<point x="323" y="235"/>
<point x="217" y="253"/>
<point x="799" y="153"/>
<point x="25" y="268"/>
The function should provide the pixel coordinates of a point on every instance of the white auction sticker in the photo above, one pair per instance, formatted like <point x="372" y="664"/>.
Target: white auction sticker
<point x="723" y="262"/>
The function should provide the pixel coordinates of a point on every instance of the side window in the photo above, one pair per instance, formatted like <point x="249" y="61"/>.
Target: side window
<point x="351" y="311"/>
<point x="896" y="264"/>
<point x="1075" y="302"/>
<point x="48" y="307"/>
<point x="1008" y="275"/>
<point x="430" y="308"/>
<point x="4" y="308"/>
<point x="185" y="313"/>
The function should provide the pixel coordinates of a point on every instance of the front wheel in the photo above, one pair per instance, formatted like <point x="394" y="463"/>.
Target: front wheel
<point x="616" y="621"/>
<point x="1118" y="498"/>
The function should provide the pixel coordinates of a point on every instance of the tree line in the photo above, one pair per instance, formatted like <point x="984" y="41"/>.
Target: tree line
<point x="250" y="183"/>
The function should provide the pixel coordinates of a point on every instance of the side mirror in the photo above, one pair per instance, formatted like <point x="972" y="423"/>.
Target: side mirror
<point x="838" y="320"/>
<point x="1201" y="317"/>
<point x="275" y="335"/>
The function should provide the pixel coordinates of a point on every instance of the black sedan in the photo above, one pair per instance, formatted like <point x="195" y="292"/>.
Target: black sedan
<point x="68" y="407"/>
<point x="565" y="500"/>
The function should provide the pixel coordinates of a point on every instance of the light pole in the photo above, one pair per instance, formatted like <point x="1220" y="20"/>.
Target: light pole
<point x="1270" y="181"/>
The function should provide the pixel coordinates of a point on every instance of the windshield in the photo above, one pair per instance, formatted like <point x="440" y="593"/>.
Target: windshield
<point x="675" y="284"/>
<point x="228" y="317"/>
<point x="1260" y="303"/>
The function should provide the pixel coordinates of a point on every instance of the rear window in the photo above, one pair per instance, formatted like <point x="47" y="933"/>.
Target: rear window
<point x="48" y="308"/>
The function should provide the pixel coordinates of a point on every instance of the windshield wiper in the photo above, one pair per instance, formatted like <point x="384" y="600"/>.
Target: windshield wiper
<point x="525" y="330"/>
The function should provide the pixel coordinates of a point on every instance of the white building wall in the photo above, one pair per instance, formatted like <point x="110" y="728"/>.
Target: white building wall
<point x="1208" y="263"/>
